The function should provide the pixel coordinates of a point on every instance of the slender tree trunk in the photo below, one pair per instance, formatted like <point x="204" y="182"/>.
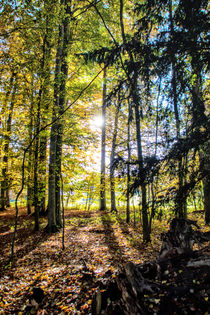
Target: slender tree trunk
<point x="56" y="138"/>
<point x="155" y="179"/>
<point x="206" y="191"/>
<point x="58" y="172"/>
<point x="128" y="166"/>
<point x="5" y="177"/>
<point x="199" y="117"/>
<point x="51" y="190"/>
<point x="53" y="140"/>
<point x="62" y="102"/>
<point x="136" y="104"/>
<point x="146" y="233"/>
<point x="103" y="148"/>
<point x="42" y="172"/>
<point x="36" y="156"/>
<point x="200" y="121"/>
<point x="41" y="141"/>
<point x="30" y="195"/>
<point x="44" y="111"/>
<point x="205" y="163"/>
<point x="30" y="167"/>
<point x="112" y="168"/>
<point x="180" y="201"/>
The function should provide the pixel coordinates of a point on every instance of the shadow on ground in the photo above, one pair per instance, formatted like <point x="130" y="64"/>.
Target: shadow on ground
<point x="26" y="239"/>
<point x="115" y="249"/>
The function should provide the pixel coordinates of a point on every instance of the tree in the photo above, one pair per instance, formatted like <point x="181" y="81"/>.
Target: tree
<point x="103" y="147"/>
<point x="128" y="164"/>
<point x="193" y="19"/>
<point x="112" y="156"/>
<point x="56" y="137"/>
<point x="9" y="103"/>
<point x="136" y="103"/>
<point x="180" y="206"/>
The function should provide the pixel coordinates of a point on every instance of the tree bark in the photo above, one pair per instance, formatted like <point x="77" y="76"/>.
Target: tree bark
<point x="112" y="168"/>
<point x="41" y="140"/>
<point x="56" y="138"/>
<point x="128" y="166"/>
<point x="30" y="155"/>
<point x="146" y="232"/>
<point x="205" y="165"/>
<point x="36" y="155"/>
<point x="103" y="148"/>
<point x="44" y="111"/>
<point x="5" y="178"/>
<point x="180" y="200"/>
<point x="136" y="105"/>
<point x="200" y="120"/>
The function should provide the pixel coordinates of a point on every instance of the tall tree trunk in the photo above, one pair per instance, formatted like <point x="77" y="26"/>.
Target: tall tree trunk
<point x="112" y="156"/>
<point x="205" y="165"/>
<point x="42" y="172"/>
<point x="146" y="233"/>
<point x="53" y="139"/>
<point x="206" y="191"/>
<point x="180" y="201"/>
<point x="56" y="138"/>
<point x="103" y="148"/>
<point x="36" y="155"/>
<point x="41" y="140"/>
<point x="128" y="165"/>
<point x="200" y="119"/>
<point x="5" y="178"/>
<point x="45" y="109"/>
<point x="136" y="104"/>
<point x="51" y="185"/>
<point x="30" y="156"/>
<point x="155" y="179"/>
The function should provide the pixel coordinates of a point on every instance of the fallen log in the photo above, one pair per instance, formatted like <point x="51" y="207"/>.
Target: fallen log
<point x="177" y="282"/>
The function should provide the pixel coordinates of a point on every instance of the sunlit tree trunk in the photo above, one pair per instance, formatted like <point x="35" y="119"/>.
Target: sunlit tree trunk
<point x="30" y="156"/>
<point x="43" y="175"/>
<point x="56" y="137"/>
<point x="36" y="156"/>
<point x="41" y="140"/>
<point x="112" y="156"/>
<point x="128" y="165"/>
<point x="52" y="227"/>
<point x="44" y="111"/>
<point x="103" y="148"/>
<point x="5" y="178"/>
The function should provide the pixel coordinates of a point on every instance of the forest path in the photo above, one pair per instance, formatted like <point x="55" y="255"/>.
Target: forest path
<point x="95" y="243"/>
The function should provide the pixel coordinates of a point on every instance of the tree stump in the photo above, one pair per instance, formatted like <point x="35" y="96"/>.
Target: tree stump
<point x="179" y="239"/>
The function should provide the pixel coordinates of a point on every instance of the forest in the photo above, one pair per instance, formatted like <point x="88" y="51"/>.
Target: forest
<point x="104" y="156"/>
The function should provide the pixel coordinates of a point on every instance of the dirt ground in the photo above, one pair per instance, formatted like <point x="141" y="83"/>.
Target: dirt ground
<point x="96" y="243"/>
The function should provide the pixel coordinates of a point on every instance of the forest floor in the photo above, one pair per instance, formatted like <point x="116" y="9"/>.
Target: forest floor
<point x="96" y="243"/>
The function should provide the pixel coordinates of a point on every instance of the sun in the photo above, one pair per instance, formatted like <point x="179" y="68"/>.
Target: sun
<point x="97" y="122"/>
